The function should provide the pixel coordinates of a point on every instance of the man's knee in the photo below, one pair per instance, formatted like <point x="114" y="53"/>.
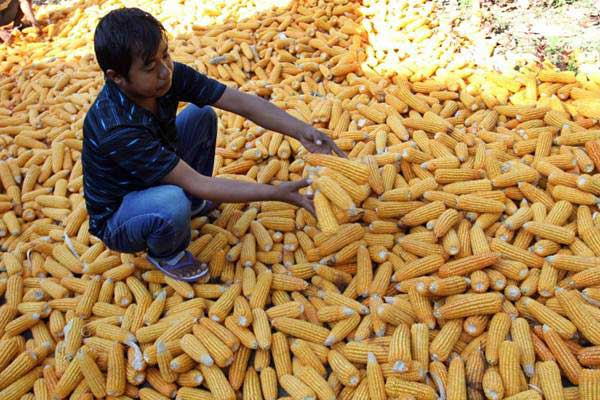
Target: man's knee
<point x="174" y="205"/>
<point x="209" y="113"/>
<point x="202" y="115"/>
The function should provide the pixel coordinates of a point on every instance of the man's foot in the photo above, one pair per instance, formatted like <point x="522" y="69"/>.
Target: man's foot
<point x="203" y="208"/>
<point x="184" y="268"/>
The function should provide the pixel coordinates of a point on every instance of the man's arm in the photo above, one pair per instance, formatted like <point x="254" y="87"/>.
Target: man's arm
<point x="267" y="115"/>
<point x="28" y="11"/>
<point x="230" y="191"/>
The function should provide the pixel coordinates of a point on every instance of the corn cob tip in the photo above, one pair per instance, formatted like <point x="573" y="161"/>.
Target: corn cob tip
<point x="559" y="290"/>
<point x="470" y="328"/>
<point x="491" y="394"/>
<point x="399" y="366"/>
<point x="348" y="311"/>
<point x="371" y="357"/>
<point x="161" y="347"/>
<point x="529" y="369"/>
<point x="514" y="292"/>
<point x="207" y="360"/>
<point x="329" y="341"/>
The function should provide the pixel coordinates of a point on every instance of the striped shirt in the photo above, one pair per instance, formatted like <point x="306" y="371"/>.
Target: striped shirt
<point x="127" y="148"/>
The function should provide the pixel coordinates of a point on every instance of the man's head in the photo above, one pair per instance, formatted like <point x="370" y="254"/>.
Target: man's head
<point x="132" y="49"/>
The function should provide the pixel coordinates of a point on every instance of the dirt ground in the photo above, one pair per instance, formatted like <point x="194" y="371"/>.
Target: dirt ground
<point x="564" y="32"/>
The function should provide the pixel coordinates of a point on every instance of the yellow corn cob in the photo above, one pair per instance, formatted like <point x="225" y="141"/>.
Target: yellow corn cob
<point x="351" y="169"/>
<point x="92" y="374"/>
<point x="564" y="357"/>
<point x="423" y="214"/>
<point x="551" y="232"/>
<point x="375" y="378"/>
<point x="307" y="356"/>
<point x="281" y="355"/>
<point x="400" y="351"/>
<point x="457" y="388"/>
<point x="589" y="384"/>
<point x="217" y="382"/>
<point x="325" y="215"/>
<point x="301" y="329"/>
<point x="115" y="375"/>
<point x="221" y="308"/>
<point x="442" y="344"/>
<point x="399" y="387"/>
<point x="549" y="378"/>
<point x="474" y="203"/>
<point x="470" y="304"/>
<point x="509" y="367"/>
<point x="245" y="336"/>
<point x="193" y="347"/>
<point x="404" y="94"/>
<point x="345" y="371"/>
<point x="545" y="315"/>
<point x="468" y="264"/>
<point x="261" y="328"/>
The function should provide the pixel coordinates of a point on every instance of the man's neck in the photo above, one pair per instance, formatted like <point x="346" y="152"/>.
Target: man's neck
<point x="146" y="103"/>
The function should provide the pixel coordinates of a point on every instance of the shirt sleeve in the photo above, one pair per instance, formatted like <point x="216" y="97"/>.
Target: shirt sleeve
<point x="191" y="86"/>
<point x="139" y="153"/>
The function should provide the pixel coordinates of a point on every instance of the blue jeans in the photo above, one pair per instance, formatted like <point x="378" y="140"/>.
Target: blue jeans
<point x="157" y="220"/>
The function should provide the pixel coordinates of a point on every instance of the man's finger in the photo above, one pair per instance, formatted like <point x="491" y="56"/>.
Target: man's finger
<point x="336" y="149"/>
<point x="317" y="137"/>
<point x="299" y="184"/>
<point x="310" y="206"/>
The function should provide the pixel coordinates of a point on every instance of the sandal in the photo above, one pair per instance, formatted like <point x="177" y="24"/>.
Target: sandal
<point x="187" y="269"/>
<point x="204" y="208"/>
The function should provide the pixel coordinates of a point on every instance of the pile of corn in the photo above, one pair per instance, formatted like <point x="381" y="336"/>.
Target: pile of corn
<point x="67" y="27"/>
<point x="416" y="41"/>
<point x="454" y="254"/>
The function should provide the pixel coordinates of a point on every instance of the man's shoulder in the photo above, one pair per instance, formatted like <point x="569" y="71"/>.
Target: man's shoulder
<point x="105" y="115"/>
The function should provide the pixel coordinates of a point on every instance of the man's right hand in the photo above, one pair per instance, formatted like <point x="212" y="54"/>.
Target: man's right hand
<point x="289" y="194"/>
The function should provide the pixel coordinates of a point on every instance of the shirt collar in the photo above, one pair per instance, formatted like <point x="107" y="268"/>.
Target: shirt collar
<point x="130" y="107"/>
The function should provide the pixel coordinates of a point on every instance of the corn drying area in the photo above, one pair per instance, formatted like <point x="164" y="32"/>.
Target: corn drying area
<point x="455" y="254"/>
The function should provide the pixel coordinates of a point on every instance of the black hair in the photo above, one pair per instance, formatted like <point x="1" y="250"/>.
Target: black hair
<point x="124" y="34"/>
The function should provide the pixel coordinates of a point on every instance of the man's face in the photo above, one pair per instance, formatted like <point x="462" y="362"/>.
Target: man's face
<point x="149" y="78"/>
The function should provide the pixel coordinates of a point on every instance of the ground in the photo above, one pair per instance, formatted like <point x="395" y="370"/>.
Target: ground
<point x="564" y="32"/>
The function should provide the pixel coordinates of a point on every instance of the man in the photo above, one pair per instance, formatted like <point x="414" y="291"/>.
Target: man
<point x="13" y="11"/>
<point x="148" y="171"/>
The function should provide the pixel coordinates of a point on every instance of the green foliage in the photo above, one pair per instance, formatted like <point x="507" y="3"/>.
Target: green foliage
<point x="560" y="3"/>
<point x="555" y="50"/>
<point x="465" y="3"/>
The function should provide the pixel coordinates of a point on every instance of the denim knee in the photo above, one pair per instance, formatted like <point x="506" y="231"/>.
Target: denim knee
<point x="174" y="206"/>
<point x="209" y="113"/>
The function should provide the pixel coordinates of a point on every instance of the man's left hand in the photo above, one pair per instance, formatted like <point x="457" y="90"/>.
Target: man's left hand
<point x="316" y="141"/>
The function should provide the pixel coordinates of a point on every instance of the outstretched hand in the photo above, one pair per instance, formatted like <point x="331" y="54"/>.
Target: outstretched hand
<point x="289" y="194"/>
<point x="316" y="141"/>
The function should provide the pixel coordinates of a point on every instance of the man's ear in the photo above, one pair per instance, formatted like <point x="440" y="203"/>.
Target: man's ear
<point x="115" y="77"/>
